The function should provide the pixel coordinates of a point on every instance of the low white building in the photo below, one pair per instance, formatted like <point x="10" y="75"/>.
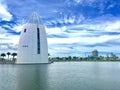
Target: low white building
<point x="33" y="42"/>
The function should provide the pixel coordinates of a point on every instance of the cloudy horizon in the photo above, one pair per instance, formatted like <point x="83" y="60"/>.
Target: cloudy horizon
<point x="73" y="27"/>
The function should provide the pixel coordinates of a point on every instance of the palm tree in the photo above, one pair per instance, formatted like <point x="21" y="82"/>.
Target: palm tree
<point x="8" y="53"/>
<point x="14" y="54"/>
<point x="69" y="58"/>
<point x="3" y="55"/>
<point x="48" y="54"/>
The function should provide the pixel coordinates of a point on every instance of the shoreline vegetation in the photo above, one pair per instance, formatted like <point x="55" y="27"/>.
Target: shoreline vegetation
<point x="12" y="58"/>
<point x="86" y="61"/>
<point x="13" y="61"/>
<point x="8" y="60"/>
<point x="51" y="61"/>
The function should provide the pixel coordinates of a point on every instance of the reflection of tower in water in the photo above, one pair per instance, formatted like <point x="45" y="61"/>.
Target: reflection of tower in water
<point x="32" y="77"/>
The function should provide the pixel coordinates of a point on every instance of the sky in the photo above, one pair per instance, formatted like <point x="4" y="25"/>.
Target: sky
<point x="73" y="27"/>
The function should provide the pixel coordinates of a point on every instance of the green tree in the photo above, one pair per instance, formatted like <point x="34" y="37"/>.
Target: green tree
<point x="69" y="58"/>
<point x="8" y="53"/>
<point x="74" y="57"/>
<point x="14" y="54"/>
<point x="101" y="57"/>
<point x="3" y="55"/>
<point x="48" y="54"/>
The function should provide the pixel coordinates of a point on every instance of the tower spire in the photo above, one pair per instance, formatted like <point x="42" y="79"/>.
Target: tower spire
<point x="34" y="18"/>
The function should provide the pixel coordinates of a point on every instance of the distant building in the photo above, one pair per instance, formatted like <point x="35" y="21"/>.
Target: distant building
<point x="107" y="55"/>
<point x="95" y="53"/>
<point x="112" y="55"/>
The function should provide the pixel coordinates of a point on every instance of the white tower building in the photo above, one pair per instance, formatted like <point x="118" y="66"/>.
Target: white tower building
<point x="33" y="42"/>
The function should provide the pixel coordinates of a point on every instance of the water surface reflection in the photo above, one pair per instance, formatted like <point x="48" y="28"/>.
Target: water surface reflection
<point x="61" y="76"/>
<point x="32" y="77"/>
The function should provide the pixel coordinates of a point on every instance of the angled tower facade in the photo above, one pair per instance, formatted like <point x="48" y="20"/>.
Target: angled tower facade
<point x="33" y="42"/>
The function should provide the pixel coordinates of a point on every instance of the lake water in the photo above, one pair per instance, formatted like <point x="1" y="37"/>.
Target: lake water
<point x="61" y="76"/>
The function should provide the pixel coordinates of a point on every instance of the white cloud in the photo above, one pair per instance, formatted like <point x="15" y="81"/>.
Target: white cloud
<point x="101" y="39"/>
<point x="4" y="13"/>
<point x="63" y="40"/>
<point x="69" y="20"/>
<point x="2" y="31"/>
<point x="10" y="39"/>
<point x="8" y="42"/>
<point x="83" y="40"/>
<point x="113" y="26"/>
<point x="75" y="34"/>
<point x="78" y="1"/>
<point x="18" y="28"/>
<point x="101" y="25"/>
<point x="82" y="2"/>
<point x="53" y="30"/>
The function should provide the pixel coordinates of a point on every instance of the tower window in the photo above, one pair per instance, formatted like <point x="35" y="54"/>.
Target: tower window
<point x="25" y="46"/>
<point x="38" y="41"/>
<point x="24" y="30"/>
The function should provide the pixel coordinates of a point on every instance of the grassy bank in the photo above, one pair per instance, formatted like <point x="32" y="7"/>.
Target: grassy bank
<point x="86" y="61"/>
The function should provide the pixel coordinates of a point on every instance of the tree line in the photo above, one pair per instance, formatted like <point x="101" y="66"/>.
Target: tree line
<point x="3" y="55"/>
